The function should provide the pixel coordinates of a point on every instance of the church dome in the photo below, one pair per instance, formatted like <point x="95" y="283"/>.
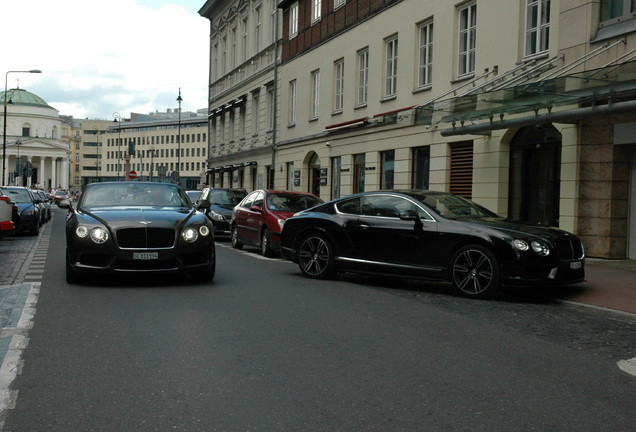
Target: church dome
<point x="22" y="97"/>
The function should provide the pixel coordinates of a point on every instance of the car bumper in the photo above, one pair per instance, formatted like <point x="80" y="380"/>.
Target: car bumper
<point x="561" y="273"/>
<point x="7" y="229"/>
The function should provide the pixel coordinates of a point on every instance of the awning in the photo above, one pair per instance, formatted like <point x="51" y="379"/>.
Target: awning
<point x="566" y="98"/>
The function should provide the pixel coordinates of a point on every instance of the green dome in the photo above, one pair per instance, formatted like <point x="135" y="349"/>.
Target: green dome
<point x="23" y="97"/>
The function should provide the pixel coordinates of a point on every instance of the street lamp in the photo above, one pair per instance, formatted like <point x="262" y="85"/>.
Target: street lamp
<point x="179" y="99"/>
<point x="4" y="131"/>
<point x="117" y="119"/>
<point x="19" y="164"/>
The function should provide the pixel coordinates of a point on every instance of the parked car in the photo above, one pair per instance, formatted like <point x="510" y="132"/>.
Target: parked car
<point x="28" y="207"/>
<point x="61" y="198"/>
<point x="45" y="206"/>
<point x="193" y="195"/>
<point x="222" y="202"/>
<point x="259" y="218"/>
<point x="7" y="227"/>
<point x="142" y="227"/>
<point x="432" y="235"/>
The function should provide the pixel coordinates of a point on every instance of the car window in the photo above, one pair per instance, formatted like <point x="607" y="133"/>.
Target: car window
<point x="19" y="195"/>
<point x="351" y="206"/>
<point x="247" y="202"/>
<point x="258" y="201"/>
<point x="384" y="205"/>
<point x="156" y="195"/>
<point x="455" y="207"/>
<point x="225" y="197"/>
<point x="291" y="202"/>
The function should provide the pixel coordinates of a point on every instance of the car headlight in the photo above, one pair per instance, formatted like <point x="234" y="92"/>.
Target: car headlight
<point x="540" y="248"/>
<point x="216" y="216"/>
<point x="28" y="212"/>
<point x="99" y="235"/>
<point x="204" y="231"/>
<point x="190" y="234"/>
<point x="281" y="222"/>
<point x="81" y="231"/>
<point x="522" y="245"/>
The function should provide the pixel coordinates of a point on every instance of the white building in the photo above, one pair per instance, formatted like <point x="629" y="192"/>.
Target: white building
<point x="33" y="135"/>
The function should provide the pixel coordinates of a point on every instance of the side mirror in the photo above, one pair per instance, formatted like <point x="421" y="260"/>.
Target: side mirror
<point x="256" y="209"/>
<point x="202" y="204"/>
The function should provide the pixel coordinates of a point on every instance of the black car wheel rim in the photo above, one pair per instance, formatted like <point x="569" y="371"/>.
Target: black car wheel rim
<point x="314" y="255"/>
<point x="473" y="271"/>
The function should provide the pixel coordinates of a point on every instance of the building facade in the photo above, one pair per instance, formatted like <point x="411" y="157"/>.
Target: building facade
<point x="150" y="146"/>
<point x="35" y="153"/>
<point x="243" y="103"/>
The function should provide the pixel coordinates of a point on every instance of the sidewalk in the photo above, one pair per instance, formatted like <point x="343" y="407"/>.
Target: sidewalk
<point x="610" y="284"/>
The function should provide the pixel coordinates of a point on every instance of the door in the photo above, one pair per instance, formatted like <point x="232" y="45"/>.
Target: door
<point x="535" y="176"/>
<point x="631" y="217"/>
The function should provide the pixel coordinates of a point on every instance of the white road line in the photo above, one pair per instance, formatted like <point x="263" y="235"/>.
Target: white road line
<point x="12" y="364"/>
<point x="252" y="254"/>
<point x="628" y="366"/>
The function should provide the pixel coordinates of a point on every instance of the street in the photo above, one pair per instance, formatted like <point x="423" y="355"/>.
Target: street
<point x="262" y="348"/>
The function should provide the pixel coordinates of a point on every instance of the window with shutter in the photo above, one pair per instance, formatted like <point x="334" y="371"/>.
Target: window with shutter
<point x="461" y="170"/>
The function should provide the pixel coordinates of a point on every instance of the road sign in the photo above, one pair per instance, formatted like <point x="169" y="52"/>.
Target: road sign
<point x="132" y="175"/>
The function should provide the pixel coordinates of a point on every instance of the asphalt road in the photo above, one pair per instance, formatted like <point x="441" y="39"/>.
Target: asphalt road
<point x="264" y="349"/>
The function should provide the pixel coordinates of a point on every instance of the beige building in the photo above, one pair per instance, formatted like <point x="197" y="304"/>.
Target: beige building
<point x="242" y="94"/>
<point x="150" y="145"/>
<point x="525" y="106"/>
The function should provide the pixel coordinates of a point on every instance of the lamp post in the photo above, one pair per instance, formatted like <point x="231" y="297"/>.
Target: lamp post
<point x="19" y="164"/>
<point x="4" y="130"/>
<point x="179" y="99"/>
<point x="117" y="119"/>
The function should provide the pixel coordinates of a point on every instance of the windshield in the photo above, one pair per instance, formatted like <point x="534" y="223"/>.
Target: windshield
<point x="224" y="197"/>
<point x="194" y="195"/>
<point x="18" y="195"/>
<point x="454" y="207"/>
<point x="127" y="194"/>
<point x="291" y="202"/>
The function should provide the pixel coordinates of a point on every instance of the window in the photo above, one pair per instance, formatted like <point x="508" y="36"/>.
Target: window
<point x="338" y="3"/>
<point x="272" y="20"/>
<point x="244" y="41"/>
<point x="222" y="128"/>
<point x="257" y="29"/>
<point x="233" y="52"/>
<point x="387" y="169"/>
<point x="215" y="61"/>
<point x="339" y="86"/>
<point x="315" y="94"/>
<point x="231" y="131"/>
<point x="255" y="116"/>
<point x="363" y="76"/>
<point x="316" y="12"/>
<point x="242" y="115"/>
<point x="293" y="20"/>
<point x="467" y="34"/>
<point x="290" y="176"/>
<point x="537" y="26"/>
<point x="391" y="53"/>
<point x="271" y="109"/>
<point x="292" y="101"/>
<point x="421" y="167"/>
<point x="26" y="130"/>
<point x="425" y="66"/>
<point x="461" y="169"/>
<point x="358" y="173"/>
<point x="615" y="10"/>
<point x="224" y="56"/>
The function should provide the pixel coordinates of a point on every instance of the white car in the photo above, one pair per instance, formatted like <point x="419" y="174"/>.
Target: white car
<point x="7" y="228"/>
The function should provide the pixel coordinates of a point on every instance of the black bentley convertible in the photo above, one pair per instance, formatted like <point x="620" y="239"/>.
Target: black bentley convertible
<point x="125" y="227"/>
<point x="432" y="235"/>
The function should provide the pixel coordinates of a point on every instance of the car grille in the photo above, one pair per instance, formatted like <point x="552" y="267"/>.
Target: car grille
<point x="145" y="238"/>
<point x="570" y="249"/>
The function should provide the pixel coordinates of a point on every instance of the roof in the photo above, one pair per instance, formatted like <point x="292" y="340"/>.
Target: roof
<point x="20" y="96"/>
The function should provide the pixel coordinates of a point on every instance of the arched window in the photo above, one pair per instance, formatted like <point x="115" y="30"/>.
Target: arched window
<point x="26" y="130"/>
<point x="54" y="133"/>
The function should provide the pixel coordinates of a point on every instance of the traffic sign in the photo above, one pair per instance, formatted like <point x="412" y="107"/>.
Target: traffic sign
<point x="132" y="175"/>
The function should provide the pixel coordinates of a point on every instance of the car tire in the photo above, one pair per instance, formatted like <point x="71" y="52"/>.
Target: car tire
<point x="316" y="257"/>
<point x="266" y="249"/>
<point x="474" y="272"/>
<point x="236" y="243"/>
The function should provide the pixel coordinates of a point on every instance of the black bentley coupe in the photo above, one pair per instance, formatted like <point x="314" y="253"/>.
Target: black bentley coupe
<point x="431" y="235"/>
<point x="125" y="227"/>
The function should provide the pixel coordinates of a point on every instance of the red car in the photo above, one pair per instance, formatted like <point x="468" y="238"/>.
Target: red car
<point x="7" y="228"/>
<point x="259" y="218"/>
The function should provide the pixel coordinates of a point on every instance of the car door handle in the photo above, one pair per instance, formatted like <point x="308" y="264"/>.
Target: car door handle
<point x="363" y="226"/>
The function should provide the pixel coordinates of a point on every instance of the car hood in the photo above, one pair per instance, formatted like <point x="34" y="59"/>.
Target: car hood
<point x="520" y="229"/>
<point x="224" y="209"/>
<point x="136" y="217"/>
<point x="24" y="206"/>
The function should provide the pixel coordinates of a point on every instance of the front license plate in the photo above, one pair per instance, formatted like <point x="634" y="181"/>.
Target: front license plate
<point x="575" y="265"/>
<point x="145" y="255"/>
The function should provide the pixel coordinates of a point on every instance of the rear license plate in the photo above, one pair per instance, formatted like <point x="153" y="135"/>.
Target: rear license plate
<point x="145" y="255"/>
<point x="575" y="265"/>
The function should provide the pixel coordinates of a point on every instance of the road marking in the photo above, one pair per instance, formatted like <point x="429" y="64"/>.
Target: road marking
<point x="15" y="340"/>
<point x="628" y="366"/>
<point x="253" y="254"/>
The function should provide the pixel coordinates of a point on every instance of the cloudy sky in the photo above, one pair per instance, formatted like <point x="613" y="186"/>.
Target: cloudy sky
<point x="100" y="57"/>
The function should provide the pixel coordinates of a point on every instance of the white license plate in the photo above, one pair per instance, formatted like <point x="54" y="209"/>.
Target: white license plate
<point x="575" y="265"/>
<point x="145" y="255"/>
